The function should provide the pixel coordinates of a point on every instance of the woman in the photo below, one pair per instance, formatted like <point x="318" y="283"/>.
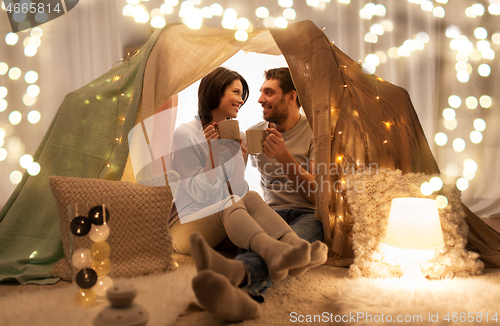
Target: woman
<point x="213" y="200"/>
<point x="203" y="199"/>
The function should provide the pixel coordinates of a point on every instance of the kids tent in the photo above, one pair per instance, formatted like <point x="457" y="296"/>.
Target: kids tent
<point x="88" y="137"/>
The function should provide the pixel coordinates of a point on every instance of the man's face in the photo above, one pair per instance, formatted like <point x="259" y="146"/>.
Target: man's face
<point x="273" y="102"/>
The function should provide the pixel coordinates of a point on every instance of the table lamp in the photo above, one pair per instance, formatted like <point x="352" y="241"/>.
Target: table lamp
<point x="415" y="228"/>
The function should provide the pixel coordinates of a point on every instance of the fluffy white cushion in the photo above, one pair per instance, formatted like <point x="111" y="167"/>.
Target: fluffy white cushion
<point x="369" y="199"/>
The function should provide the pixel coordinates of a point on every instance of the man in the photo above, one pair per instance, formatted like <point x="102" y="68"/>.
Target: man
<point x="288" y="182"/>
<point x="286" y="166"/>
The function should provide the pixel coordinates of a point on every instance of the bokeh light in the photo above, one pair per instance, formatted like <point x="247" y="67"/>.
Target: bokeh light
<point x="436" y="183"/>
<point x="441" y="139"/>
<point x="15" y="177"/>
<point x="451" y="124"/>
<point x="34" y="116"/>
<point x="441" y="201"/>
<point x="479" y="124"/>
<point x="449" y="114"/>
<point x="485" y="101"/>
<point x="426" y="189"/>
<point x="471" y="102"/>
<point x="458" y="145"/>
<point x="33" y="169"/>
<point x="462" y="184"/>
<point x="14" y="73"/>
<point x="455" y="101"/>
<point x="476" y="137"/>
<point x="15" y="117"/>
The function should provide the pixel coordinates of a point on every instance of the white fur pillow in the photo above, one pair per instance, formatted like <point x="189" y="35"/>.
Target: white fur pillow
<point x="369" y="199"/>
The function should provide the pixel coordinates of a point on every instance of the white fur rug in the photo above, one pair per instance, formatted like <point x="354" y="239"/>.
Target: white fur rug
<point x="459" y="301"/>
<point x="322" y="291"/>
<point x="165" y="297"/>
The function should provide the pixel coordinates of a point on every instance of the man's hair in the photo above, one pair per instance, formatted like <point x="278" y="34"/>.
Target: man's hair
<point x="212" y="89"/>
<point x="285" y="80"/>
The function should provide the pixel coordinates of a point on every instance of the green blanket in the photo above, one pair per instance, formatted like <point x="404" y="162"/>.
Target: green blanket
<point x="86" y="139"/>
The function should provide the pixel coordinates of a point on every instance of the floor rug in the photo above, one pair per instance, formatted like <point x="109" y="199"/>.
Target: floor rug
<point x="459" y="301"/>
<point x="165" y="297"/>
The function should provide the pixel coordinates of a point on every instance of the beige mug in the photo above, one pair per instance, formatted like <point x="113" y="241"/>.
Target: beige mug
<point x="255" y="138"/>
<point x="229" y="129"/>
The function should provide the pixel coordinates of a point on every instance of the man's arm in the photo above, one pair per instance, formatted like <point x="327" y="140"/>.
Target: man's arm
<point x="304" y="182"/>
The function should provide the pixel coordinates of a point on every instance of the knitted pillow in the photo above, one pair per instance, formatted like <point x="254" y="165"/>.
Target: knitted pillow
<point x="369" y="199"/>
<point x="139" y="237"/>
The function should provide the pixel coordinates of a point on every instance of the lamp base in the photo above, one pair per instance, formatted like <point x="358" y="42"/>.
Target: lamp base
<point x="413" y="273"/>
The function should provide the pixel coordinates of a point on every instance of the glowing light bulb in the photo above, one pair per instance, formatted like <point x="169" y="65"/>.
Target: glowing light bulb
<point x="480" y="33"/>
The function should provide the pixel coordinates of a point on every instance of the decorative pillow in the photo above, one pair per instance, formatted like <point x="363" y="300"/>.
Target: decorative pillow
<point x="369" y="199"/>
<point x="139" y="237"/>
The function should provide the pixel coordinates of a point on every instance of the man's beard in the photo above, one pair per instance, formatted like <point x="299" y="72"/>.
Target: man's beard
<point x="278" y="114"/>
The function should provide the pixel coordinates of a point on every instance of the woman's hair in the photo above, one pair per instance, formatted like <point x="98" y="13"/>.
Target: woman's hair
<point x="212" y="89"/>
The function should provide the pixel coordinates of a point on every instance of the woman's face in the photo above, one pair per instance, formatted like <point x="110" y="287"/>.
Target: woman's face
<point x="230" y="102"/>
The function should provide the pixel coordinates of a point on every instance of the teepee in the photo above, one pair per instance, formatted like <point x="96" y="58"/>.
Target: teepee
<point x="88" y="137"/>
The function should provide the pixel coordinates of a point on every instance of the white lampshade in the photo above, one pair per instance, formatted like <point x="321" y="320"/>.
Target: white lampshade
<point x="414" y="224"/>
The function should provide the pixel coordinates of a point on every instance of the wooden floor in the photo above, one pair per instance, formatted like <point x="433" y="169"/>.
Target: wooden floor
<point x="493" y="222"/>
